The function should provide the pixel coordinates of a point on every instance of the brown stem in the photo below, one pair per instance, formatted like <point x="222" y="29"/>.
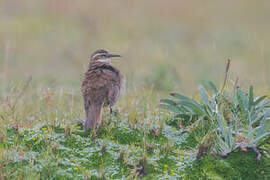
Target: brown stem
<point x="259" y="155"/>
<point x="226" y="74"/>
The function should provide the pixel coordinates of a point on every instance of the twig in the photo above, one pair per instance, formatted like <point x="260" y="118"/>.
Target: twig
<point x="5" y="68"/>
<point x="264" y="150"/>
<point x="259" y="155"/>
<point x="236" y="84"/>
<point x="27" y="83"/>
<point x="226" y="75"/>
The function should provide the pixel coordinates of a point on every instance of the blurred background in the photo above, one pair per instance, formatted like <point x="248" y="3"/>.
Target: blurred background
<point x="166" y="45"/>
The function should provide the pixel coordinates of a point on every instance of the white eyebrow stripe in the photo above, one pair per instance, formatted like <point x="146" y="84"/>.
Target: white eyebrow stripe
<point x="97" y="55"/>
<point x="105" y="60"/>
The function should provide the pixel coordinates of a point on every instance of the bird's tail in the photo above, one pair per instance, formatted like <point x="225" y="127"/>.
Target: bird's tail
<point x="93" y="116"/>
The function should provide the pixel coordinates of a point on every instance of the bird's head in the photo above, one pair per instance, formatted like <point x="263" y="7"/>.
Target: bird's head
<point x="102" y="56"/>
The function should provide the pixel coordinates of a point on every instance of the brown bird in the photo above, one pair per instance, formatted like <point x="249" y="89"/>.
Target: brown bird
<point x="100" y="86"/>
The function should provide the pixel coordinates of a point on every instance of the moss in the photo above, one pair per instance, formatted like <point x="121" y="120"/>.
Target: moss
<point x="238" y="165"/>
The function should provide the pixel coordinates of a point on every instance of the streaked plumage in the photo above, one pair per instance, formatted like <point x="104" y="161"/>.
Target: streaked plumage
<point x="100" y="87"/>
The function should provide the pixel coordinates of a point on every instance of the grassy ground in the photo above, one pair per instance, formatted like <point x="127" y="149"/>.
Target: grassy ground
<point x="42" y="136"/>
<point x="166" y="47"/>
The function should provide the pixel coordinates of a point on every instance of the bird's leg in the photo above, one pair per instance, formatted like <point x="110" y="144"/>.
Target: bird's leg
<point x="111" y="111"/>
<point x="110" y="116"/>
<point x="114" y="113"/>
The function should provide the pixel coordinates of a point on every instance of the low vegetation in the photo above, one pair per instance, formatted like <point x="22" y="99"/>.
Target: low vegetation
<point x="223" y="134"/>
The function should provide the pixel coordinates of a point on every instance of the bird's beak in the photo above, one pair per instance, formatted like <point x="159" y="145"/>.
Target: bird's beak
<point x="113" y="55"/>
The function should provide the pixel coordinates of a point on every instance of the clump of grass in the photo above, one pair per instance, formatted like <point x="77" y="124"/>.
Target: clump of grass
<point x="228" y="120"/>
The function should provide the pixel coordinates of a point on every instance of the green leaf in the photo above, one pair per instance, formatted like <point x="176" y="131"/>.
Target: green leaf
<point x="256" y="141"/>
<point x="168" y="101"/>
<point x="184" y="98"/>
<point x="194" y="108"/>
<point x="204" y="95"/>
<point x="189" y="104"/>
<point x="251" y="97"/>
<point x="260" y="109"/>
<point x="265" y="114"/>
<point x="174" y="109"/>
<point x="263" y="125"/>
<point x="213" y="87"/>
<point x="258" y="100"/>
<point x="222" y="144"/>
<point x="242" y="103"/>
<point x="264" y="141"/>
<point x="221" y="127"/>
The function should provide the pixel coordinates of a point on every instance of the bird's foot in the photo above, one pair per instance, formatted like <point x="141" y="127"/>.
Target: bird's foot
<point x="111" y="111"/>
<point x="114" y="112"/>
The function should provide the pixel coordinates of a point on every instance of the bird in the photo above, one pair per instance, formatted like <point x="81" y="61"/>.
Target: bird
<point x="101" y="86"/>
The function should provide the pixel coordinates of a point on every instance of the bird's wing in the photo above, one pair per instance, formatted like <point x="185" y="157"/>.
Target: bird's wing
<point x="100" y="83"/>
<point x="94" y="85"/>
<point x="113" y="85"/>
<point x="113" y="94"/>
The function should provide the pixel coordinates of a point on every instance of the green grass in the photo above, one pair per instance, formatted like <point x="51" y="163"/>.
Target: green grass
<point x="44" y="138"/>
<point x="239" y="165"/>
<point x="166" y="46"/>
<point x="112" y="153"/>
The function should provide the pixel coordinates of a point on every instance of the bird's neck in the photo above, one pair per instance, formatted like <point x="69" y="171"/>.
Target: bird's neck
<point x="99" y="63"/>
<point x="102" y="66"/>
